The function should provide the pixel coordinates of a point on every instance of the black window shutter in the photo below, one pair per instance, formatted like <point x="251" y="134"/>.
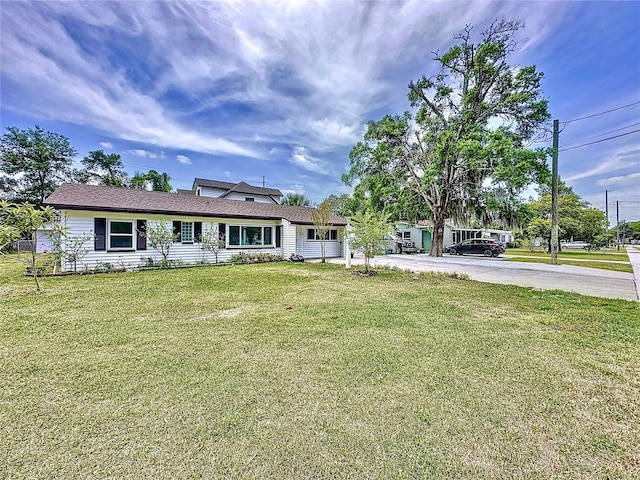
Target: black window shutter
<point x="197" y="231"/>
<point x="222" y="230"/>
<point x="100" y="229"/>
<point x="278" y="236"/>
<point x="177" y="230"/>
<point x="141" y="240"/>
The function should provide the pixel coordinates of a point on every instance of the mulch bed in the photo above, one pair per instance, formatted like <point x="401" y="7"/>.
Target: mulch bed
<point x="362" y="273"/>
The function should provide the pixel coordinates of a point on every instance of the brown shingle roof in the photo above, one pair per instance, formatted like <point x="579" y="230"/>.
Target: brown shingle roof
<point x="74" y="196"/>
<point x="241" y="187"/>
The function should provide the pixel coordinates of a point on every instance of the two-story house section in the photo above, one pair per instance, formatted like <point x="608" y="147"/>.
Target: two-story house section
<point x="235" y="191"/>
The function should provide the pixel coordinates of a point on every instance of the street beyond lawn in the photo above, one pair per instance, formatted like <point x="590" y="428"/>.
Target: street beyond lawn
<point x="614" y="260"/>
<point x="306" y="371"/>
<point x="584" y="280"/>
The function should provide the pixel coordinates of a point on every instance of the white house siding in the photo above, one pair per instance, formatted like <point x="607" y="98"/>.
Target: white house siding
<point x="244" y="196"/>
<point x="448" y="236"/>
<point x="288" y="238"/>
<point x="82" y="222"/>
<point x="43" y="240"/>
<point x="415" y="233"/>
<point x="211" y="192"/>
<point x="216" y="192"/>
<point x="312" y="248"/>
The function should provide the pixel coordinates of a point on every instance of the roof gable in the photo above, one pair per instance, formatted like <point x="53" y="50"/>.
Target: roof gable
<point x="240" y="187"/>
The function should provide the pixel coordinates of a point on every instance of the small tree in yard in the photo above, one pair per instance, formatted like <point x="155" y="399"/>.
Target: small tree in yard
<point x="8" y="233"/>
<point x="211" y="240"/>
<point x="367" y="234"/>
<point x="72" y="249"/>
<point x="321" y="217"/>
<point x="24" y="221"/>
<point x="160" y="237"/>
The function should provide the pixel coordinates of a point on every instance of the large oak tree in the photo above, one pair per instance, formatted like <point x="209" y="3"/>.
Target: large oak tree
<point x="100" y="168"/>
<point x="33" y="162"/>
<point x="466" y="149"/>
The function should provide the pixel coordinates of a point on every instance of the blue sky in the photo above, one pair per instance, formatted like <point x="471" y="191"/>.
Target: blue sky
<point x="283" y="90"/>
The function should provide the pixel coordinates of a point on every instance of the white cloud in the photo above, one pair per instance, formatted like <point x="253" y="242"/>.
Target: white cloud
<point x="303" y="159"/>
<point x="318" y="69"/>
<point x="298" y="189"/>
<point x="616" y="161"/>
<point x="142" y="153"/>
<point x="183" y="159"/>
<point x="335" y="132"/>
<point x="67" y="84"/>
<point x="622" y="180"/>
<point x="107" y="145"/>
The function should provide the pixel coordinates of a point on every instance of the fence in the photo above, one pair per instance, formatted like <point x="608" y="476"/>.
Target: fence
<point x="22" y="246"/>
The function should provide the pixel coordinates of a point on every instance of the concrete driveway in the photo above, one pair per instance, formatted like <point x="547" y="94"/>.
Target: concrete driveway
<point x="587" y="281"/>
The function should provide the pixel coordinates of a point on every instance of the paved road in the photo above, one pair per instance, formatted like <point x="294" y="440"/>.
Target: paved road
<point x="587" y="281"/>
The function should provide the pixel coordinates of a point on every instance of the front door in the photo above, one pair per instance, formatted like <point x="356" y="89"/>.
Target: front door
<point x="300" y="232"/>
<point x="426" y="240"/>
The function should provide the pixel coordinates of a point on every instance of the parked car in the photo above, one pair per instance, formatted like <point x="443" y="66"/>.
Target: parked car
<point x="486" y="247"/>
<point x="578" y="244"/>
<point x="395" y="244"/>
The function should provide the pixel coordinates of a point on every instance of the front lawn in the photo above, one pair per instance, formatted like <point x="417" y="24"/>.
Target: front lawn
<point x="609" y="255"/>
<point x="306" y="371"/>
<point x="614" y="261"/>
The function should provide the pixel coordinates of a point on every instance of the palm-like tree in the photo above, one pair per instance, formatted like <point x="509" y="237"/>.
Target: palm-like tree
<point x="296" y="199"/>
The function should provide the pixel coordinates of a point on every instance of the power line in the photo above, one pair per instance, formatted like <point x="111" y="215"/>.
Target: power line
<point x="601" y="113"/>
<point x="617" y="129"/>
<point x="598" y="141"/>
<point x="611" y="131"/>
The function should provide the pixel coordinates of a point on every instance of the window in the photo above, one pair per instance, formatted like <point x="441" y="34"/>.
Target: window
<point x="332" y="234"/>
<point x="250" y="236"/>
<point x="100" y="229"/>
<point x="186" y="233"/>
<point x="249" y="199"/>
<point x="120" y="235"/>
<point x="406" y="235"/>
<point x="141" y="239"/>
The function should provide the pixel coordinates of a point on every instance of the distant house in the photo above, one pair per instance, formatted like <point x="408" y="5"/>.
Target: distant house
<point x="116" y="216"/>
<point x="233" y="191"/>
<point x="422" y="234"/>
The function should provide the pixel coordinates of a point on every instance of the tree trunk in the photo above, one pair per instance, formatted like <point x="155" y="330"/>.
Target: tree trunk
<point x="34" y="266"/>
<point x="438" y="233"/>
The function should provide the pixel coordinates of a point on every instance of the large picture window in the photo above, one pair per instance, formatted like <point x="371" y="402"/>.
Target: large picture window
<point x="241" y="236"/>
<point x="120" y="235"/>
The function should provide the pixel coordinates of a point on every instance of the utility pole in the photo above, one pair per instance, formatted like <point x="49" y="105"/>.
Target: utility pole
<point x="554" y="194"/>
<point x="606" y="207"/>
<point x="263" y="182"/>
<point x="618" y="224"/>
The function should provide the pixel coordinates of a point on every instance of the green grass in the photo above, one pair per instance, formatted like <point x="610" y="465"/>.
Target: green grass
<point x="614" y="261"/>
<point x="613" y="255"/>
<point x="616" y="267"/>
<point x="305" y="371"/>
